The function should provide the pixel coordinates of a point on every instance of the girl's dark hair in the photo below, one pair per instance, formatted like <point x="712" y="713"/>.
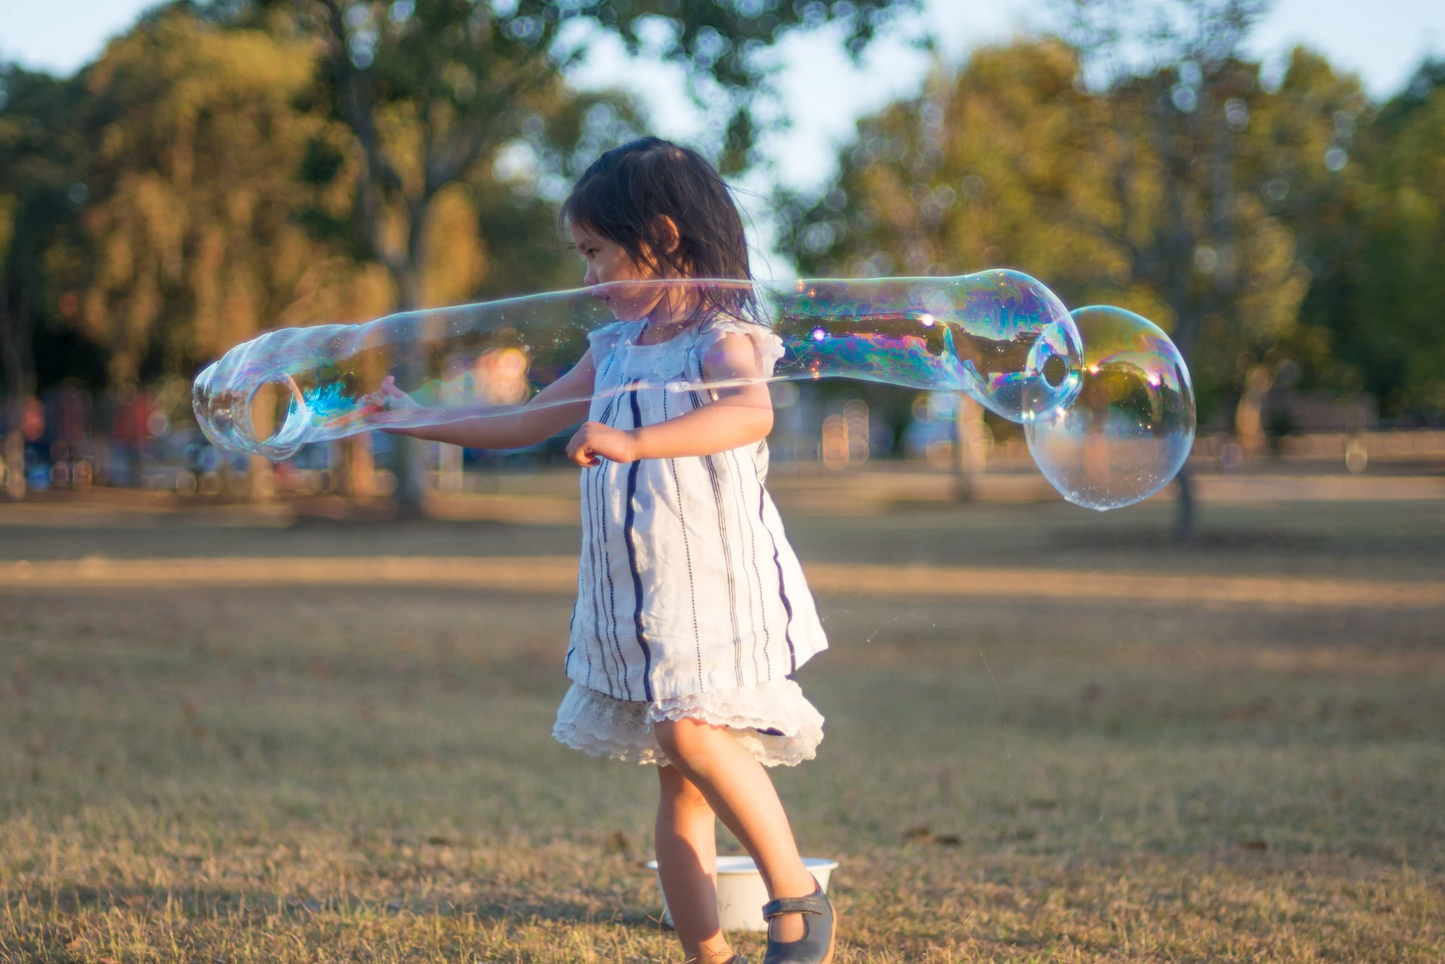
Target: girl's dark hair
<point x="624" y="194"/>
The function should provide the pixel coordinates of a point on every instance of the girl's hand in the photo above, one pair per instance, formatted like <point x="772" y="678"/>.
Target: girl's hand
<point x="594" y="442"/>
<point x="388" y="397"/>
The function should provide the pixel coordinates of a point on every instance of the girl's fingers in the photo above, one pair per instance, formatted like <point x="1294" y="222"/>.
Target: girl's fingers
<point x="595" y="442"/>
<point x="580" y="448"/>
<point x="575" y="450"/>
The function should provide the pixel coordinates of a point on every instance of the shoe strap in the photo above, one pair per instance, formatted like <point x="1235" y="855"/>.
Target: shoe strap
<point x="814" y="903"/>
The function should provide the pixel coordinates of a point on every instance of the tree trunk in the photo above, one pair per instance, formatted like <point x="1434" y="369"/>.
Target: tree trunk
<point x="358" y="467"/>
<point x="408" y="455"/>
<point x="411" y="471"/>
<point x="969" y="453"/>
<point x="17" y="364"/>
<point x="262" y="479"/>
<point x="450" y="468"/>
<point x="1186" y="520"/>
<point x="13" y="454"/>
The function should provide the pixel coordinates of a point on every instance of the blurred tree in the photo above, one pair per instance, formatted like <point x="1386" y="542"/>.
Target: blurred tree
<point x="200" y="169"/>
<point x="1399" y="333"/>
<point x="1296" y="158"/>
<point x="987" y="168"/>
<point x="42" y="156"/>
<point x="1114" y="168"/>
<point x="977" y="172"/>
<point x="1189" y="216"/>
<point x="195" y="193"/>
<point x="433" y="91"/>
<point x="1371" y="222"/>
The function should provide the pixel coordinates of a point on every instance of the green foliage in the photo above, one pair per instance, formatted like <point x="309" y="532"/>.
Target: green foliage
<point x="1378" y="249"/>
<point x="229" y="167"/>
<point x="434" y="93"/>
<point x="42" y="164"/>
<point x="194" y="241"/>
<point x="1186" y="192"/>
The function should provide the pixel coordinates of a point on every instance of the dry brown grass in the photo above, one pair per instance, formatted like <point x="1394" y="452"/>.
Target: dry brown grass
<point x="367" y="773"/>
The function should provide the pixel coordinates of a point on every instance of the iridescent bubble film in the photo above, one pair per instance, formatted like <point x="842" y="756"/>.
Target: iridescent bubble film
<point x="1109" y="414"/>
<point x="1131" y="426"/>
<point x="1000" y="336"/>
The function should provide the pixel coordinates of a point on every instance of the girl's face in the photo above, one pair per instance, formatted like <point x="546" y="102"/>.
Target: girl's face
<point x="606" y="262"/>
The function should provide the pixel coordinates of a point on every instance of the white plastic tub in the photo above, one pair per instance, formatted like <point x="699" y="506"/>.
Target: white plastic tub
<point x="741" y="894"/>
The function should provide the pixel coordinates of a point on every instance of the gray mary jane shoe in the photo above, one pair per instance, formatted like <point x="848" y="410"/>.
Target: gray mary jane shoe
<point x="816" y="945"/>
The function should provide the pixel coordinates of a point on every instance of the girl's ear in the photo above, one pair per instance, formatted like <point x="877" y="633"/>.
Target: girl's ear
<point x="665" y="230"/>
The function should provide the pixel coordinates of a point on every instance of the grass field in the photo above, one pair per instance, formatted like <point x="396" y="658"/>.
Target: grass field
<point x="244" y="774"/>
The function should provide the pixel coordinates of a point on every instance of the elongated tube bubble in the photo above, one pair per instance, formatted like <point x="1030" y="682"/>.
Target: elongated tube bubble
<point x="1131" y="425"/>
<point x="999" y="336"/>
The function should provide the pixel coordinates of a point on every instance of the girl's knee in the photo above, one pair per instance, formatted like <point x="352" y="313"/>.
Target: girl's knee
<point x="683" y="739"/>
<point x="678" y="789"/>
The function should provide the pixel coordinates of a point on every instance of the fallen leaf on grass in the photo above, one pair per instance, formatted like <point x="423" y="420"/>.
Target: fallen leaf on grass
<point x="923" y="835"/>
<point x="616" y="843"/>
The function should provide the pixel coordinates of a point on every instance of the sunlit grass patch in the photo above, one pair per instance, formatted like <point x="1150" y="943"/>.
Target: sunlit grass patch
<point x="260" y="775"/>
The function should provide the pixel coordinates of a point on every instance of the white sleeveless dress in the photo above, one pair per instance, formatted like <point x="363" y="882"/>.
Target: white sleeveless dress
<point x="690" y="604"/>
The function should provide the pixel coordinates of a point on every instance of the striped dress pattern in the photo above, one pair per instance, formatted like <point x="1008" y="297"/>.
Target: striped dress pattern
<point x="687" y="583"/>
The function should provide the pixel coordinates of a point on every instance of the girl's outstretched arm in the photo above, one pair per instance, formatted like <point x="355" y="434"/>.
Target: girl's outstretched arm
<point x="560" y="404"/>
<point x="741" y="415"/>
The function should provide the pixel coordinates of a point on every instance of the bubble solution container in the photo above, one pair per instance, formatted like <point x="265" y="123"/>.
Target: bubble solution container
<point x="741" y="894"/>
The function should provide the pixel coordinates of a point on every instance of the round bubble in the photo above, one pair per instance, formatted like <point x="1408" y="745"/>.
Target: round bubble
<point x="999" y="336"/>
<point x="1131" y="425"/>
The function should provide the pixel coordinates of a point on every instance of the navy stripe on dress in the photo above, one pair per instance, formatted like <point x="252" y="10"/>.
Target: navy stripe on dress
<point x="589" y="543"/>
<point x="606" y="419"/>
<point x="608" y="414"/>
<point x="629" y="535"/>
<point x="597" y="514"/>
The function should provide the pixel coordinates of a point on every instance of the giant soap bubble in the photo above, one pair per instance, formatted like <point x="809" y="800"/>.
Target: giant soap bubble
<point x="1131" y="426"/>
<point x="999" y="336"/>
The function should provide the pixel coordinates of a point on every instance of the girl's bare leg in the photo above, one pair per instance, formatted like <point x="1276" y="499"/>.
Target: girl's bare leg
<point x="687" y="866"/>
<point x="741" y="794"/>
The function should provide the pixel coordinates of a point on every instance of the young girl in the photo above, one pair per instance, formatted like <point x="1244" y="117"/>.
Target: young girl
<point x="692" y="612"/>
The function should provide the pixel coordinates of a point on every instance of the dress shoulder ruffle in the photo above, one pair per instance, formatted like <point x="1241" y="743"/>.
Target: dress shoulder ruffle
<point x="766" y="343"/>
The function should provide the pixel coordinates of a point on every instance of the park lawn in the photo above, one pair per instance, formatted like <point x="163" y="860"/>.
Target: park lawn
<point x="286" y="776"/>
